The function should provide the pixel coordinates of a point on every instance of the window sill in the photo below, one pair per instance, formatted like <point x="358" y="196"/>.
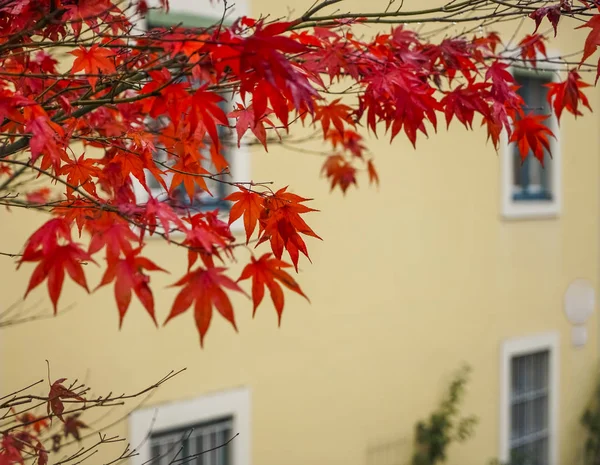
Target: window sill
<point x="534" y="210"/>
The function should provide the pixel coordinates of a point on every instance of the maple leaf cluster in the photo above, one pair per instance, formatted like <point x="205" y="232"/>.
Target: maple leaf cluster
<point x="96" y="129"/>
<point x="39" y="425"/>
<point x="30" y="435"/>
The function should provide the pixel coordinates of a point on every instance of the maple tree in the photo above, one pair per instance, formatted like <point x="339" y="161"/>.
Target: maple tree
<point x="39" y="423"/>
<point x="93" y="126"/>
<point x="79" y="134"/>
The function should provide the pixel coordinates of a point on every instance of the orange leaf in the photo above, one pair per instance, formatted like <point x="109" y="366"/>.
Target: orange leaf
<point x="205" y="287"/>
<point x="95" y="60"/>
<point x="267" y="271"/>
<point x="373" y="176"/>
<point x="52" y="266"/>
<point x="249" y="204"/>
<point x="335" y="113"/>
<point x="281" y="224"/>
<point x="80" y="173"/>
<point x="128" y="274"/>
<point x="339" y="171"/>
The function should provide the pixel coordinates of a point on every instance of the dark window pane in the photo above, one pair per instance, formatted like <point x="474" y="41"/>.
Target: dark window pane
<point x="195" y="442"/>
<point x="531" y="181"/>
<point x="529" y="409"/>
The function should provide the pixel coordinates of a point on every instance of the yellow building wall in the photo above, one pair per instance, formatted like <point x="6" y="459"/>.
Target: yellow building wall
<point x="411" y="280"/>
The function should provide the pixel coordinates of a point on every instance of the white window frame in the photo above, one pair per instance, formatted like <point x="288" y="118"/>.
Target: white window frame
<point x="239" y="157"/>
<point x="233" y="403"/>
<point x="205" y="8"/>
<point x="523" y="346"/>
<point x="532" y="209"/>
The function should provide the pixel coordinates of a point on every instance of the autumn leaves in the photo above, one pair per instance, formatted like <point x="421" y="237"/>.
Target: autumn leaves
<point x="275" y="74"/>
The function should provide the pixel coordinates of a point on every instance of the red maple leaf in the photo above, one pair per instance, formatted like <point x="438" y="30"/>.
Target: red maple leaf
<point x="94" y="60"/>
<point x="530" y="46"/>
<point x="58" y="392"/>
<point x="53" y="266"/>
<point x="205" y="288"/>
<point x="111" y="231"/>
<point x="188" y="170"/>
<point x="11" y="103"/>
<point x="267" y="73"/>
<point x="45" y="140"/>
<point x="339" y="171"/>
<point x="46" y="237"/>
<point x="40" y="196"/>
<point x="334" y="113"/>
<point x="128" y="274"/>
<point x="497" y="120"/>
<point x="72" y="426"/>
<point x="155" y="212"/>
<point x="89" y="11"/>
<point x="52" y="247"/>
<point x="550" y="12"/>
<point x="81" y="172"/>
<point x="247" y="120"/>
<point x="453" y="55"/>
<point x="592" y="40"/>
<point x="206" y="237"/>
<point x="489" y="41"/>
<point x="401" y="100"/>
<point x="247" y="203"/>
<point x="266" y="271"/>
<point x="350" y="140"/>
<point x="173" y="97"/>
<point x="463" y="102"/>
<point x="281" y="224"/>
<point x="567" y="94"/>
<point x="134" y="164"/>
<point x="76" y="210"/>
<point x="205" y="108"/>
<point x="502" y="80"/>
<point x="531" y="134"/>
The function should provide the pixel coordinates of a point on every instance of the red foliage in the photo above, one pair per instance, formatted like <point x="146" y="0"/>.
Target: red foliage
<point x="551" y="12"/>
<point x="566" y="95"/>
<point x="531" y="134"/>
<point x="531" y="45"/>
<point x="154" y="112"/>
<point x="266" y="271"/>
<point x="58" y="392"/>
<point x="205" y="288"/>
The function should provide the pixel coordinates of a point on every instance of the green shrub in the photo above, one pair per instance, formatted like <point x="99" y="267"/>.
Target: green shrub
<point x="444" y="425"/>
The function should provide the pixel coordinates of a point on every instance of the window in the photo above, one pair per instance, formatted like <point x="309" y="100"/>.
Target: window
<point x="529" y="429"/>
<point x="530" y="190"/>
<point x="202" y="443"/>
<point x="187" y="428"/>
<point x="529" y="400"/>
<point x="200" y="13"/>
<point x="202" y="200"/>
<point x="531" y="181"/>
